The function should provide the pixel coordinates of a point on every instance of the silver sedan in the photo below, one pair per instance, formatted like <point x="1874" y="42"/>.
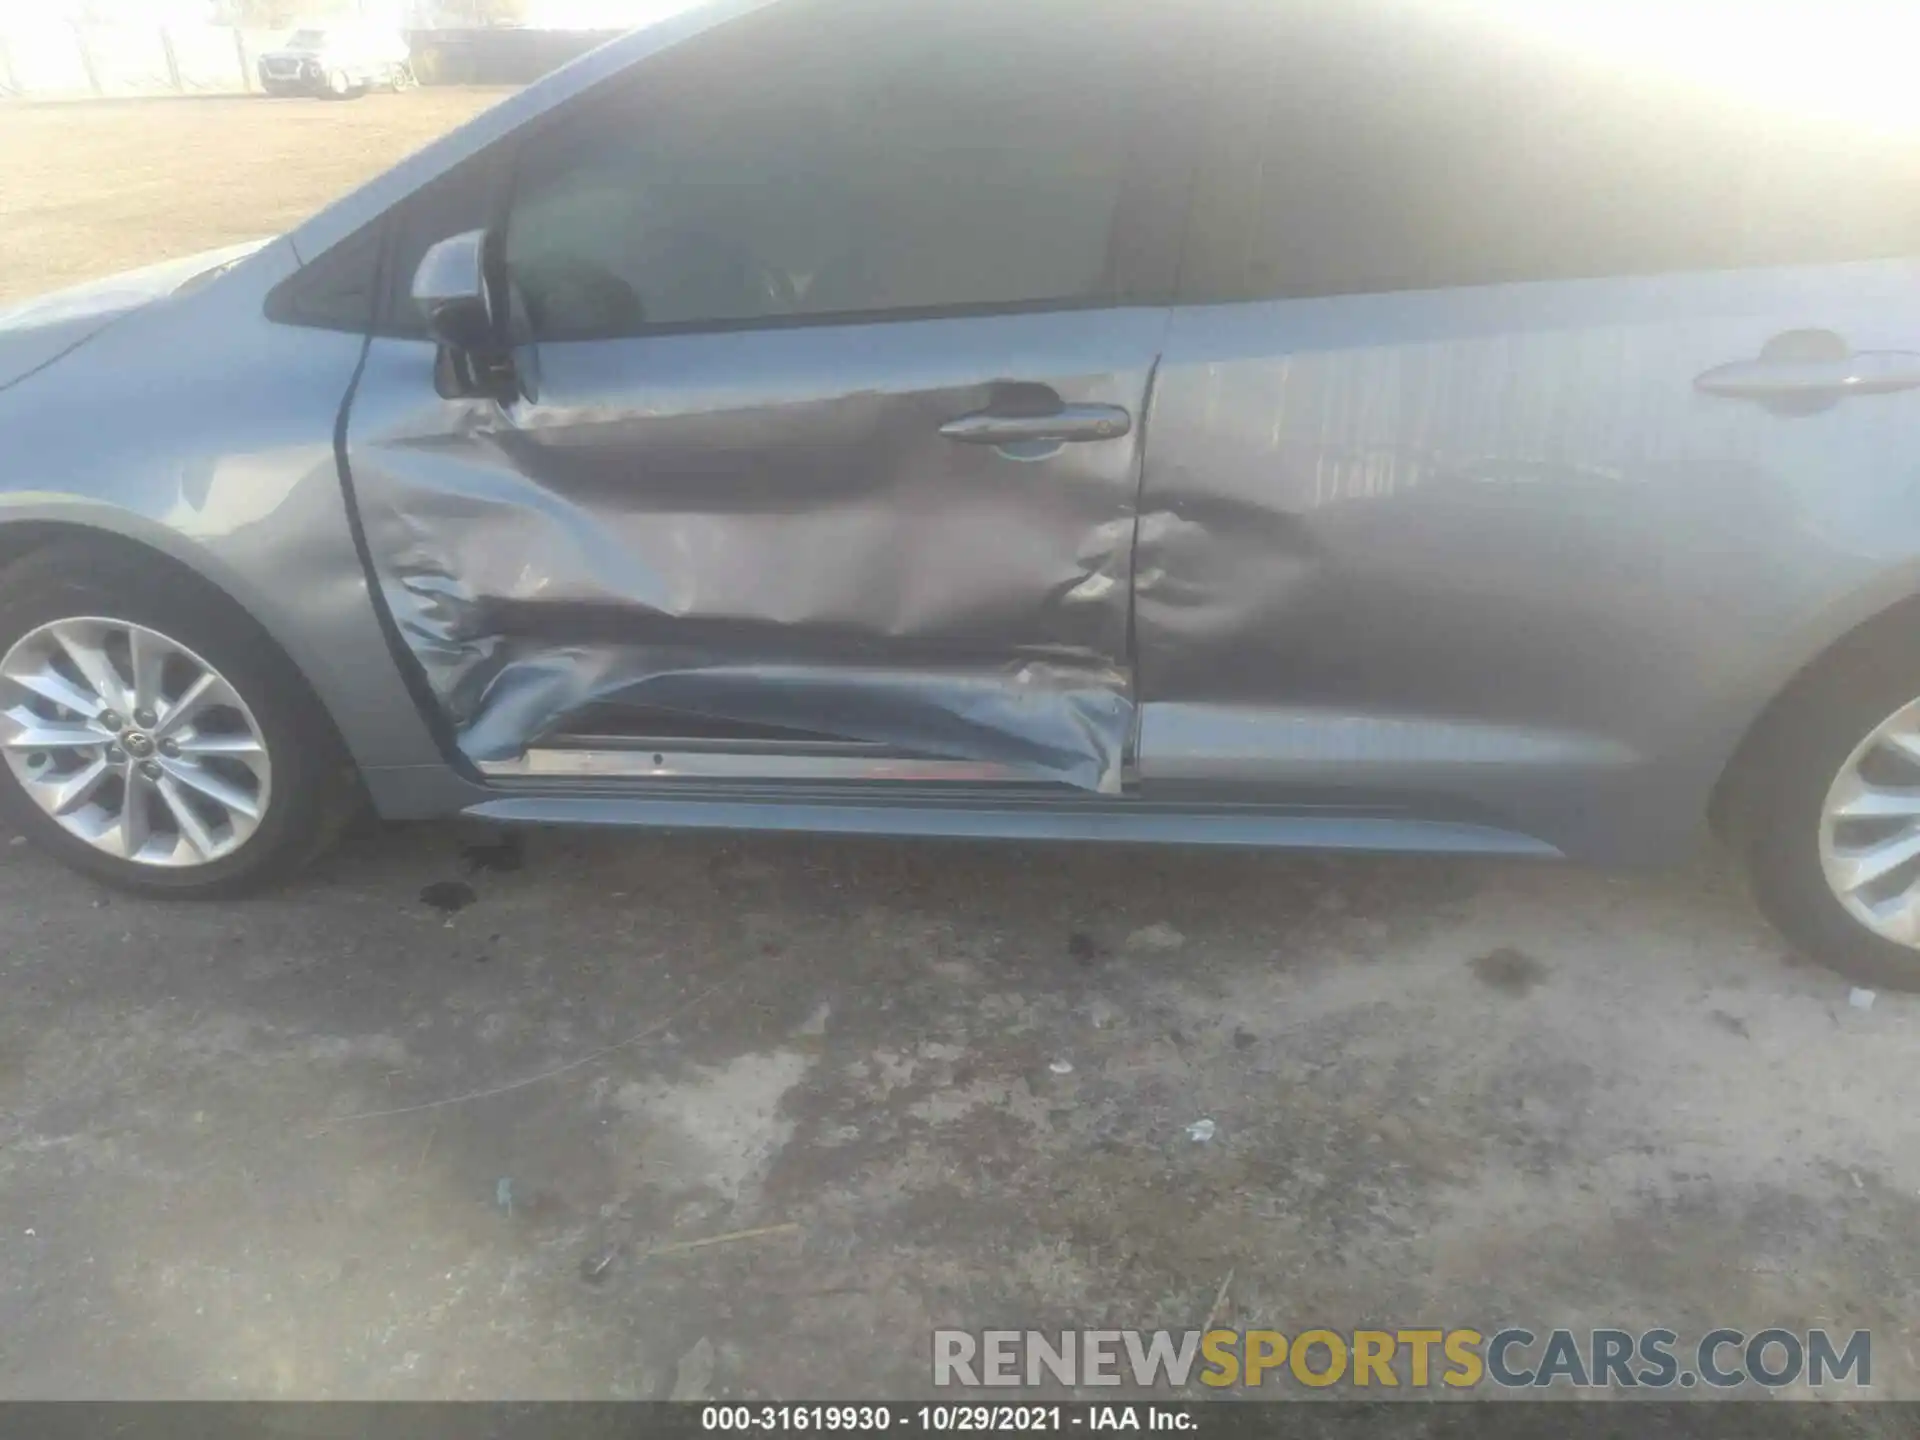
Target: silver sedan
<point x="1043" y="419"/>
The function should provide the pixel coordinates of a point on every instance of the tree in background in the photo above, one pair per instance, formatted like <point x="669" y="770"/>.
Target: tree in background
<point x="281" y="14"/>
<point x="427" y="14"/>
<point x="421" y="14"/>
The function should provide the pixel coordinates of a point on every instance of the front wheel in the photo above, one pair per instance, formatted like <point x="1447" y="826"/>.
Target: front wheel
<point x="340" y="85"/>
<point x="1829" y="811"/>
<point x="151" y="735"/>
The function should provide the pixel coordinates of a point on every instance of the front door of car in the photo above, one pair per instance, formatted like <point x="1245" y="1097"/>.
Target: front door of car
<point x="827" y="339"/>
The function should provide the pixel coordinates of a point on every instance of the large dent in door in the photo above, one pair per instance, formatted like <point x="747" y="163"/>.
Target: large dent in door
<point x="857" y="586"/>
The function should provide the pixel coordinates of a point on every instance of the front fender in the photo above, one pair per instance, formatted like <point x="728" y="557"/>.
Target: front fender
<point x="203" y="431"/>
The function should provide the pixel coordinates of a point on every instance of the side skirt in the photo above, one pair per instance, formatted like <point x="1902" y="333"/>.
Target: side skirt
<point x="914" y="810"/>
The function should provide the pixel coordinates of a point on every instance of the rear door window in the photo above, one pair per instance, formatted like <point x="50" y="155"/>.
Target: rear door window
<point x="1367" y="146"/>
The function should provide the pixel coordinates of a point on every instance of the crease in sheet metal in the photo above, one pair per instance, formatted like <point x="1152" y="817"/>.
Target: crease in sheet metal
<point x="804" y="556"/>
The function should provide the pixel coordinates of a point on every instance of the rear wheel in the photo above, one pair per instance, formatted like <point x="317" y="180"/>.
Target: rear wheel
<point x="150" y="734"/>
<point x="1829" y="811"/>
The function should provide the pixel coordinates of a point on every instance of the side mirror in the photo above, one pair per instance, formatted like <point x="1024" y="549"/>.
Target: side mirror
<point x="451" y="289"/>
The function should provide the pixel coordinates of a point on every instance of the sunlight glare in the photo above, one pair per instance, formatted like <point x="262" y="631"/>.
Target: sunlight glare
<point x="1851" y="60"/>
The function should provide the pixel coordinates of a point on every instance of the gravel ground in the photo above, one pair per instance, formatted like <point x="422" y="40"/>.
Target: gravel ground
<point x="432" y="1121"/>
<point x="340" y="1142"/>
<point x="88" y="188"/>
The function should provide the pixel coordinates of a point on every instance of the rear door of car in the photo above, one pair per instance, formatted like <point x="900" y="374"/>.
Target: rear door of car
<point x="833" y="333"/>
<point x="1527" y="410"/>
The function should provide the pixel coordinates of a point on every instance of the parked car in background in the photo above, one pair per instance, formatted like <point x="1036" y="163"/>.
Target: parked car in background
<point x="1354" y="425"/>
<point x="338" y="60"/>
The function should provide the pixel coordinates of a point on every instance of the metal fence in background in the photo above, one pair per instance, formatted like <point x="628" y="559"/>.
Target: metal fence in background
<point x="56" y="59"/>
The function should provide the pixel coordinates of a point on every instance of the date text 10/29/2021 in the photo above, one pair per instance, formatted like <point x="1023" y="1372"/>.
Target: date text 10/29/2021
<point x="876" y="1419"/>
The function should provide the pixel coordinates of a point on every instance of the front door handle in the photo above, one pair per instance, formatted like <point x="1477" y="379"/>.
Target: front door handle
<point x="1807" y="370"/>
<point x="1070" y="424"/>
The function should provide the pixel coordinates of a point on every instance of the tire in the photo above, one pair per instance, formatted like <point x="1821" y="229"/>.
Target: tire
<point x="1785" y="781"/>
<point x="401" y="79"/>
<point x="305" y="789"/>
<point x="340" y="86"/>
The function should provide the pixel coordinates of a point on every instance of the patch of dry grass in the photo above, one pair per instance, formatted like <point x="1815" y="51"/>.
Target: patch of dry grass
<point x="90" y="188"/>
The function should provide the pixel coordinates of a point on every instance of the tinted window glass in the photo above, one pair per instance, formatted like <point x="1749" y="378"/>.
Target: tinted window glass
<point x="1364" y="146"/>
<point x="337" y="291"/>
<point x="829" y="159"/>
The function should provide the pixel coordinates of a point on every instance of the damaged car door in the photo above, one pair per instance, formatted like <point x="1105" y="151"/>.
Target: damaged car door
<point x="1521" y="404"/>
<point x="783" y="417"/>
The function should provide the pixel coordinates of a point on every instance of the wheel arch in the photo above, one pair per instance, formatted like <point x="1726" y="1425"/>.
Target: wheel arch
<point x="21" y="538"/>
<point x="1874" y="617"/>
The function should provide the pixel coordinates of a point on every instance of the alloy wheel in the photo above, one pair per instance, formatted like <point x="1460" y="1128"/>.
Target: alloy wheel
<point x="1870" y="830"/>
<point x="132" y="743"/>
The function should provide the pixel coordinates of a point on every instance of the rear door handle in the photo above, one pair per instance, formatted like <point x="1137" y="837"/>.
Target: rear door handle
<point x="1872" y="372"/>
<point x="1812" y="369"/>
<point x="1070" y="423"/>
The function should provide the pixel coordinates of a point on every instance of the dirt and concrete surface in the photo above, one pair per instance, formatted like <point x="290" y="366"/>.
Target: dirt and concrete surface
<point x="453" y="1117"/>
<point x="88" y="188"/>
